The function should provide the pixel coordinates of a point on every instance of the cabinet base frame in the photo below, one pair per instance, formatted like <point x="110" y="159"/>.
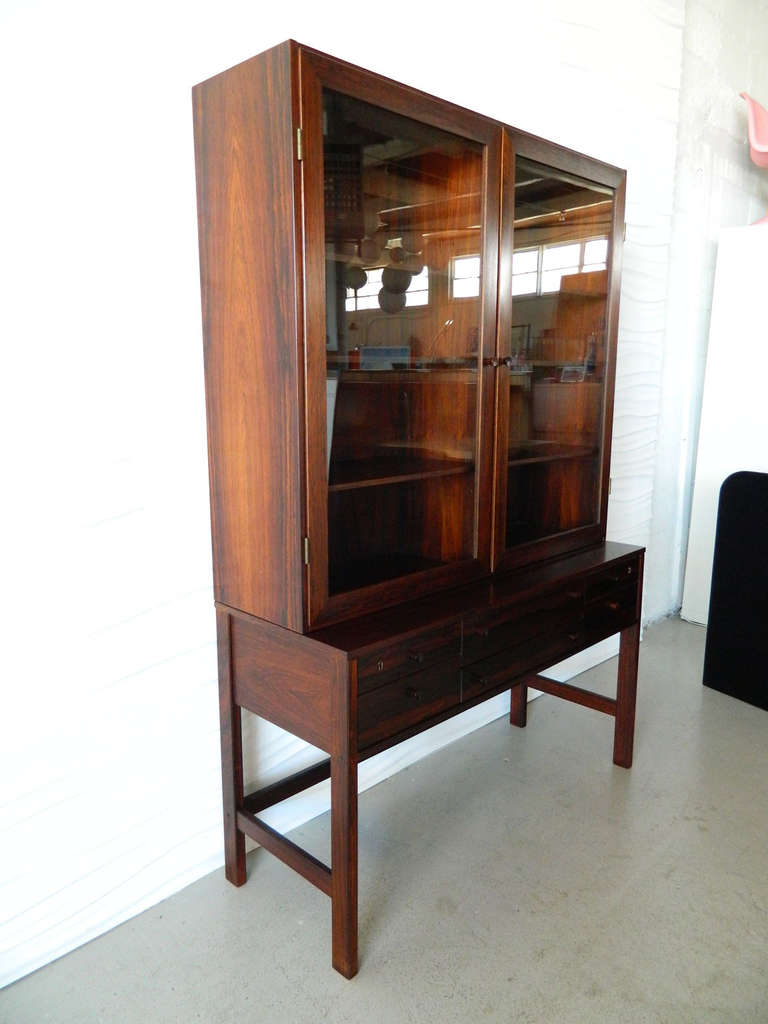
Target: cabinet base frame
<point x="340" y="880"/>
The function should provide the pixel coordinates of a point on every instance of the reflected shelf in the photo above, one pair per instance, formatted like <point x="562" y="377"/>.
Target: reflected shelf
<point x="398" y="371"/>
<point x="548" y="451"/>
<point x="382" y="470"/>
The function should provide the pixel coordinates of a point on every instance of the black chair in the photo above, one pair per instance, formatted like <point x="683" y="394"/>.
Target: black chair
<point x="736" y="655"/>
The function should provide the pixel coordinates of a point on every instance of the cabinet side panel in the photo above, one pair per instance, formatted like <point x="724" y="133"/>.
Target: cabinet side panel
<point x="292" y="681"/>
<point x="245" y="186"/>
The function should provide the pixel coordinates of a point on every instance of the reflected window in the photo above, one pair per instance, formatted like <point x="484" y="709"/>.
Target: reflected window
<point x="417" y="293"/>
<point x="525" y="272"/>
<point x="558" y="261"/>
<point x="465" y="277"/>
<point x="367" y="296"/>
<point x="538" y="271"/>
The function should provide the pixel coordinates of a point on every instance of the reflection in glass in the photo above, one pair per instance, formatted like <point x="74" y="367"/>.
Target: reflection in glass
<point x="556" y="382"/>
<point x="403" y="234"/>
<point x="466" y="277"/>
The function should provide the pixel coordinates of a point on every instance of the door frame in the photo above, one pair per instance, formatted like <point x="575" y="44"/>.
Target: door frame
<point x="315" y="72"/>
<point x="518" y="143"/>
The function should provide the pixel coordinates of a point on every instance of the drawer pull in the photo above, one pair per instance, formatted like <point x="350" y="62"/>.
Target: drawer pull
<point x="415" y="656"/>
<point x="380" y="665"/>
<point x="414" y="694"/>
<point x="573" y="636"/>
<point x="613" y="605"/>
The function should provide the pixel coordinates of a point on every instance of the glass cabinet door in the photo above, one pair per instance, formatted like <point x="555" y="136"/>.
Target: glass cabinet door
<point x="552" y="378"/>
<point x="405" y="247"/>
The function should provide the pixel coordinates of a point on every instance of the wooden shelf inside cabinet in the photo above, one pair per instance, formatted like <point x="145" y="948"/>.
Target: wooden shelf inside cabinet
<point x="557" y="363"/>
<point x="382" y="472"/>
<point x="432" y="215"/>
<point x="550" y="453"/>
<point x="378" y="570"/>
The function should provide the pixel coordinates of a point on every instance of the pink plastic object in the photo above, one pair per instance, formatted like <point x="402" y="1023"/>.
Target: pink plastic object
<point x="757" y="124"/>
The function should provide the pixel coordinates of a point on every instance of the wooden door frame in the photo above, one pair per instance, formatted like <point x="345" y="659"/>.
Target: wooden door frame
<point x="315" y="72"/>
<point x="530" y="147"/>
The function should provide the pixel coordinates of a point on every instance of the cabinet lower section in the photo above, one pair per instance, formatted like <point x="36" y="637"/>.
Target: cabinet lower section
<point x="362" y="686"/>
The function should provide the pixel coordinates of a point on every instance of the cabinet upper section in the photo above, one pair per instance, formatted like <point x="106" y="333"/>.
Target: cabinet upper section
<point x="409" y="315"/>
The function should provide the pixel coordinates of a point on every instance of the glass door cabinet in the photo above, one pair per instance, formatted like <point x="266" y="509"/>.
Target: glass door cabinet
<point x="410" y="312"/>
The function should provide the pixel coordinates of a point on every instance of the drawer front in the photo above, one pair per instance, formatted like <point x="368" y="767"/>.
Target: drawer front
<point x="532" y="656"/>
<point x="390" y="709"/>
<point x="407" y="656"/>
<point x="612" y="612"/>
<point x="611" y="579"/>
<point x="490" y="633"/>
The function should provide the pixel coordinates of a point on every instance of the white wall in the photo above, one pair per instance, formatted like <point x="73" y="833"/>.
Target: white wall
<point x="109" y="774"/>
<point x="716" y="185"/>
<point x="734" y="418"/>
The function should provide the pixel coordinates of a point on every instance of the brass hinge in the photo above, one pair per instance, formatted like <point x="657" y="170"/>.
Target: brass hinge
<point x="625" y="231"/>
<point x="306" y="551"/>
<point x="610" y="484"/>
<point x="299" y="143"/>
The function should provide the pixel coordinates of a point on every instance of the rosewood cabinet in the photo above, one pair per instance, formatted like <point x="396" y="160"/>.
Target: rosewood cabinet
<point x="409" y="317"/>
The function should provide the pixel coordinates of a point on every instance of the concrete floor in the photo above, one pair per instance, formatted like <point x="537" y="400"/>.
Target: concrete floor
<point x="512" y="876"/>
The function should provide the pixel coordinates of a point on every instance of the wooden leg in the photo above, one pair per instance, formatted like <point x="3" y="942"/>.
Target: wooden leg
<point x="626" y="692"/>
<point x="344" y="821"/>
<point x="344" y="862"/>
<point x="231" y="757"/>
<point x="518" y="705"/>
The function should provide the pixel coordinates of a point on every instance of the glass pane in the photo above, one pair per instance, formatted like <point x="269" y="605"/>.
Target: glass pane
<point x="596" y="251"/>
<point x="550" y="279"/>
<point x="466" y="287"/>
<point x="403" y="209"/>
<point x="561" y="256"/>
<point x="466" y="266"/>
<point x="525" y="262"/>
<point x="367" y="296"/>
<point x="417" y="292"/>
<point x="524" y="284"/>
<point x="562" y="225"/>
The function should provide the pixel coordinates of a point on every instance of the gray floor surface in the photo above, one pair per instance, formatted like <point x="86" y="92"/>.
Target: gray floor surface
<point x="512" y="876"/>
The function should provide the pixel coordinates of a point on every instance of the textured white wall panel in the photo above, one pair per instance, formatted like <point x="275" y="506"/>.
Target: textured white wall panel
<point x="726" y="42"/>
<point x="109" y="784"/>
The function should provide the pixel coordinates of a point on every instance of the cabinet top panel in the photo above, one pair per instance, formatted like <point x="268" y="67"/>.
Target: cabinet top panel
<point x="531" y="145"/>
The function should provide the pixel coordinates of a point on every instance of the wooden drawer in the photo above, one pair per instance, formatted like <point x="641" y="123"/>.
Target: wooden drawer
<point x="611" y="579"/>
<point x="390" y="709"/>
<point x="614" y="611"/>
<point x="407" y="655"/>
<point x="504" y="628"/>
<point x="532" y="656"/>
